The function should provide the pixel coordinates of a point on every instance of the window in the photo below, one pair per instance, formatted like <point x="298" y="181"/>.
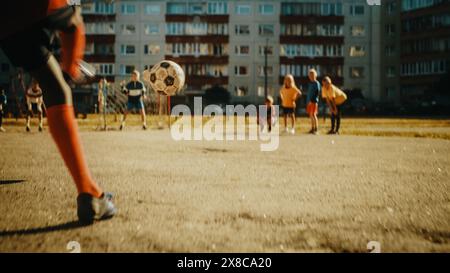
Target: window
<point x="310" y="30"/>
<point x="417" y="4"/>
<point x="217" y="29"/>
<point x="97" y="7"/>
<point x="126" y="69"/>
<point x="356" y="10"/>
<point x="128" y="29"/>
<point x="176" y="28"/>
<point x="391" y="93"/>
<point x="391" y="73"/>
<point x="127" y="49"/>
<point x="357" y="51"/>
<point x="331" y="9"/>
<point x="266" y="9"/>
<point x="196" y="8"/>
<point x="266" y="30"/>
<point x="99" y="28"/>
<point x="261" y="71"/>
<point x="104" y="69"/>
<point x="152" y="9"/>
<point x="291" y="29"/>
<point x="331" y="30"/>
<point x="242" y="50"/>
<point x="391" y="7"/>
<point x="390" y="50"/>
<point x="104" y="8"/>
<point x="290" y="50"/>
<point x="151" y="29"/>
<point x="261" y="90"/>
<point x="269" y="50"/>
<point x="104" y="49"/>
<point x="241" y="70"/>
<point x="333" y="51"/>
<point x="217" y="7"/>
<point x="357" y="31"/>
<point x="390" y="29"/>
<point x="242" y="30"/>
<point x="176" y="8"/>
<point x="128" y="9"/>
<point x="241" y="91"/>
<point x="152" y="49"/>
<point x="243" y="9"/>
<point x="356" y="72"/>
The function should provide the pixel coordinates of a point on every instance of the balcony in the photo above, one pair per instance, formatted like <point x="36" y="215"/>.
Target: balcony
<point x="214" y="39"/>
<point x="197" y="80"/>
<point x="101" y="38"/>
<point x="436" y="9"/>
<point x="100" y="58"/>
<point x="94" y="18"/>
<point x="189" y="59"/>
<point x="311" y="19"/>
<point x="182" y="18"/>
<point x="312" y="60"/>
<point x="294" y="39"/>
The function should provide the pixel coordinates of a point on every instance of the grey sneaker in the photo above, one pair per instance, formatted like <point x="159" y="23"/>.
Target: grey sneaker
<point x="91" y="208"/>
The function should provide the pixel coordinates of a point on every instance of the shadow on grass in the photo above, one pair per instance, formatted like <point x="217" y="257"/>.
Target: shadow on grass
<point x="8" y="182"/>
<point x="39" y="230"/>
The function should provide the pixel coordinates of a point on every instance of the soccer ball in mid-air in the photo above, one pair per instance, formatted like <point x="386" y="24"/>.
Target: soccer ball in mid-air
<point x="166" y="78"/>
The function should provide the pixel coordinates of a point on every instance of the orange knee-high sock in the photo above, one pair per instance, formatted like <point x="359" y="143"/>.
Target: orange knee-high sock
<point x="64" y="130"/>
<point x="72" y="50"/>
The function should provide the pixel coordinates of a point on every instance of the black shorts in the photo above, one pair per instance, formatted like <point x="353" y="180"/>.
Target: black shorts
<point x="31" y="48"/>
<point x="288" y="110"/>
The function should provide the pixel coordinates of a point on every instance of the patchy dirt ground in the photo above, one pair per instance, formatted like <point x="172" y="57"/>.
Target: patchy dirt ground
<point x="314" y="194"/>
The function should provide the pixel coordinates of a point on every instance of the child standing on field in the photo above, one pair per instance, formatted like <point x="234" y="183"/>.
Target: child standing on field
<point x="270" y="115"/>
<point x="289" y="93"/>
<point x="334" y="98"/>
<point x="312" y="100"/>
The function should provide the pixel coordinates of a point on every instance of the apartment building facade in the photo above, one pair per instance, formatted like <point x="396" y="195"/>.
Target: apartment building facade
<point x="425" y="46"/>
<point x="223" y="42"/>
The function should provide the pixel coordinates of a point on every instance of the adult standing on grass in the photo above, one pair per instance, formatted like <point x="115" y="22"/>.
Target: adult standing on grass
<point x="3" y="101"/>
<point x="27" y="30"/>
<point x="334" y="98"/>
<point x="289" y="93"/>
<point x="312" y="100"/>
<point x="135" y="90"/>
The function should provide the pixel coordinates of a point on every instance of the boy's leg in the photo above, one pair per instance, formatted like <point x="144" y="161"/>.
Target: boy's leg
<point x="40" y="116"/>
<point x="28" y="117"/>
<point x="143" y="118"/>
<point x="333" y="121"/>
<point x="316" y="122"/>
<point x="338" y="118"/>
<point x="124" y="117"/>
<point x="63" y="126"/>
